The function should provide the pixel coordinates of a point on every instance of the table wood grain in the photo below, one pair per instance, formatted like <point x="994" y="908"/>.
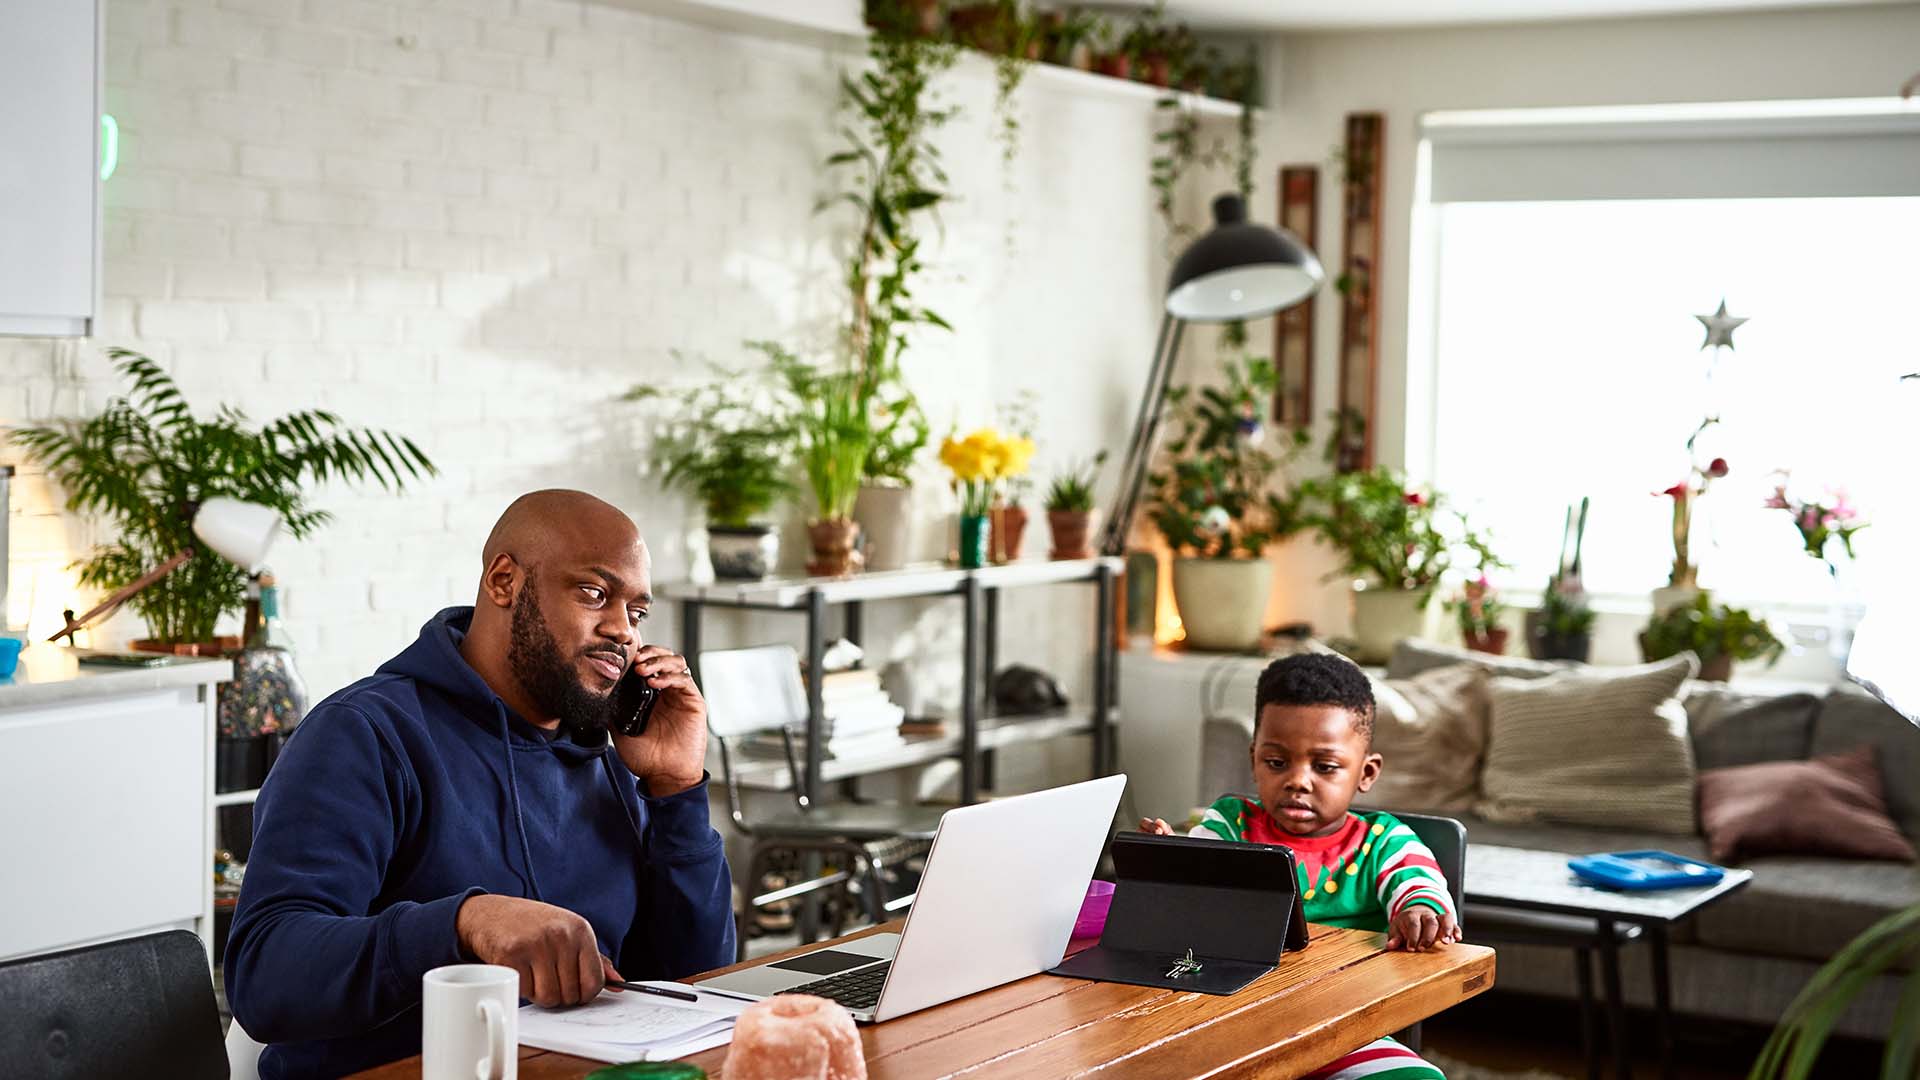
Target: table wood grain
<point x="1339" y="994"/>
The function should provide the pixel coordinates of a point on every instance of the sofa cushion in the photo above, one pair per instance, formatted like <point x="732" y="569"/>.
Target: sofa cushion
<point x="1730" y="727"/>
<point x="1592" y="746"/>
<point x="1432" y="731"/>
<point x="1829" y="805"/>
<point x="1852" y="717"/>
<point x="1411" y="656"/>
<point x="1807" y="906"/>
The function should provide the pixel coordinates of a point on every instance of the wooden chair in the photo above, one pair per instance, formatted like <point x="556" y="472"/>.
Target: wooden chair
<point x="759" y="689"/>
<point x="140" y="1006"/>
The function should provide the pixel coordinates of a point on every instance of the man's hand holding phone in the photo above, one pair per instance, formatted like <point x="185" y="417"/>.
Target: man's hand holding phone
<point x="670" y="755"/>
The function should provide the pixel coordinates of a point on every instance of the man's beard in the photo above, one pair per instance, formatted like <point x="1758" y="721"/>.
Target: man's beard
<point x="549" y="677"/>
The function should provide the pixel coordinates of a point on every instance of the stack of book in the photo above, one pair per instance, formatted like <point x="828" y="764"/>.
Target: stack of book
<point x="859" y="719"/>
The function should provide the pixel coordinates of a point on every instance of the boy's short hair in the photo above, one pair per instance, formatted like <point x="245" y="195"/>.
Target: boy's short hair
<point x="1317" y="679"/>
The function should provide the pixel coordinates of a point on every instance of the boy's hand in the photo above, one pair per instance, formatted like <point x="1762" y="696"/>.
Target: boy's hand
<point x="1155" y="826"/>
<point x="1419" y="928"/>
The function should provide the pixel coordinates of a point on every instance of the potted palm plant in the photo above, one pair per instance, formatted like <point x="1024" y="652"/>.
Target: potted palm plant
<point x="147" y="461"/>
<point x="833" y="434"/>
<point x="725" y="443"/>
<point x="1070" y="509"/>
<point x="1215" y="504"/>
<point x="1396" y="542"/>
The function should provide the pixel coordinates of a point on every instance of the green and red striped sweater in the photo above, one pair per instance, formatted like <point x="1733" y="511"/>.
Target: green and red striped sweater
<point x="1359" y="877"/>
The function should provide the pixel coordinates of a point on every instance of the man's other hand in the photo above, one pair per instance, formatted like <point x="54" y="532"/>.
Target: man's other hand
<point x="553" y="949"/>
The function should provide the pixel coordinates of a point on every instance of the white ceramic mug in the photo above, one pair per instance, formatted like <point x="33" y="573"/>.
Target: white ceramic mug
<point x="470" y="1023"/>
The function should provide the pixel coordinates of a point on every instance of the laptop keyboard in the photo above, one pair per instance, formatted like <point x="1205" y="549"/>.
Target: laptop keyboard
<point x="857" y="989"/>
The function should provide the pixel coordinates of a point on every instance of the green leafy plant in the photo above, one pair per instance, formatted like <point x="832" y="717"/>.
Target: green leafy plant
<point x="1564" y="612"/>
<point x="1390" y="532"/>
<point x="894" y="180"/>
<point x="1072" y="490"/>
<point x="1064" y="32"/>
<point x="1478" y="609"/>
<point x="827" y="413"/>
<point x="725" y="443"/>
<point x="1710" y="631"/>
<point x="1792" y="1052"/>
<point x="1214" y="496"/>
<point x="147" y="462"/>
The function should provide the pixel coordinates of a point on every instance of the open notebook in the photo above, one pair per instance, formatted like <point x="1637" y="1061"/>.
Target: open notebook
<point x="633" y="1027"/>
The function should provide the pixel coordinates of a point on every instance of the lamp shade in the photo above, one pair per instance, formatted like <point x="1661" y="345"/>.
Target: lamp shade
<point x="1240" y="270"/>
<point x="239" y="532"/>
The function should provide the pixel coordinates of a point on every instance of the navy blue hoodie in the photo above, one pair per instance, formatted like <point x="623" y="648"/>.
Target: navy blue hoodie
<point x="404" y="794"/>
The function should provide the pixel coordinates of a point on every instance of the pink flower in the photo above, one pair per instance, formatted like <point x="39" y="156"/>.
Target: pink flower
<point x="1778" y="500"/>
<point x="1414" y="498"/>
<point x="1717" y="467"/>
<point x="1677" y="491"/>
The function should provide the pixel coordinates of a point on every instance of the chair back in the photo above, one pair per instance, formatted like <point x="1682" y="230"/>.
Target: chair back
<point x="749" y="690"/>
<point x="135" y="1007"/>
<point x="243" y="1054"/>
<point x="1447" y="839"/>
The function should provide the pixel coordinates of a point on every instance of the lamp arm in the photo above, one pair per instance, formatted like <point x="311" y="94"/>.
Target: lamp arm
<point x="1146" y="434"/>
<point x="121" y="596"/>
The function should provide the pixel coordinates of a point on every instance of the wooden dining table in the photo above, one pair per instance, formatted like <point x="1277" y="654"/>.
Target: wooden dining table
<point x="1340" y="993"/>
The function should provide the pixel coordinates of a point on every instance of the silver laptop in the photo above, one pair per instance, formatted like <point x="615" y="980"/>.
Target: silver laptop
<point x="1002" y="889"/>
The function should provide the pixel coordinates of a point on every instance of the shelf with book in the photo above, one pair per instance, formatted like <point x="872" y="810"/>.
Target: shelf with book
<point x="973" y="735"/>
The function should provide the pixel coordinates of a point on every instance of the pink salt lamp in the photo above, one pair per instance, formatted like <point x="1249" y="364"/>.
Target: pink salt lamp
<point x="796" y="1037"/>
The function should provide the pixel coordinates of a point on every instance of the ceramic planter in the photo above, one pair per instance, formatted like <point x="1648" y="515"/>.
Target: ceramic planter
<point x="1718" y="669"/>
<point x="974" y="532"/>
<point x="1544" y="646"/>
<point x="1071" y="530"/>
<point x="1382" y="618"/>
<point x="1157" y="70"/>
<point x="832" y="542"/>
<point x="882" y="511"/>
<point x="1493" y="641"/>
<point x="1009" y="528"/>
<point x="1222" y="602"/>
<point x="743" y="553"/>
<point x="1668" y="597"/>
<point x="1114" y="65"/>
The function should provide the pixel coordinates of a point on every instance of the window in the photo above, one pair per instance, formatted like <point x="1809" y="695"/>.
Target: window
<point x="1566" y="362"/>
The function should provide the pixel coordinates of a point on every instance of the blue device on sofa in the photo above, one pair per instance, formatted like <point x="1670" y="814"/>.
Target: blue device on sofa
<point x="1644" y="870"/>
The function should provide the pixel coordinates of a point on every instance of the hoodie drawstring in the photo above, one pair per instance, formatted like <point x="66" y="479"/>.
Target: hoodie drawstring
<point x="513" y="793"/>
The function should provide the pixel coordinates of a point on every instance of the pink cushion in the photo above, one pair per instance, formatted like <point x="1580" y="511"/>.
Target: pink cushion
<point x="1828" y="805"/>
<point x="796" y="1037"/>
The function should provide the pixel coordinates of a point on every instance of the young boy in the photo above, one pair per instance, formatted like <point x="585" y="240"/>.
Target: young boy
<point x="1312" y="753"/>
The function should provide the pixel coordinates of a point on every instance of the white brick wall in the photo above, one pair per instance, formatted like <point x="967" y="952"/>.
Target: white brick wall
<point x="477" y="221"/>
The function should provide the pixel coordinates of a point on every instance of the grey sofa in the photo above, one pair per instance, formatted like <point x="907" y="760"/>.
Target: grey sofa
<point x="1746" y="957"/>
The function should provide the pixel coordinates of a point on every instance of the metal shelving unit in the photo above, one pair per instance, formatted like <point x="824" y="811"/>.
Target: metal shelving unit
<point x="979" y="592"/>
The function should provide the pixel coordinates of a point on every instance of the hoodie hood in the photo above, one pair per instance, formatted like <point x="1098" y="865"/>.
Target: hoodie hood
<point x="434" y="660"/>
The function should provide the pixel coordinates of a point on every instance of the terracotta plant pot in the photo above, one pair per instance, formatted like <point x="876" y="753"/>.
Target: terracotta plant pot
<point x="1222" y="602"/>
<point x="1493" y="641"/>
<point x="1382" y="618"/>
<point x="977" y="27"/>
<point x="217" y="647"/>
<point x="1009" y="532"/>
<point x="1071" y="529"/>
<point x="1114" y="65"/>
<point x="746" y="553"/>
<point x="886" y="526"/>
<point x="1718" y="669"/>
<point x="1157" y="70"/>
<point x="832" y="541"/>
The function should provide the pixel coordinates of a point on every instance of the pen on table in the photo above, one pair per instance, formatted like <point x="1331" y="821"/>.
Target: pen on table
<point x="677" y="995"/>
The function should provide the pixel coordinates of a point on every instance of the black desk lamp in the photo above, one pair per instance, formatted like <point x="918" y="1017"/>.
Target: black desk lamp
<point x="1239" y="270"/>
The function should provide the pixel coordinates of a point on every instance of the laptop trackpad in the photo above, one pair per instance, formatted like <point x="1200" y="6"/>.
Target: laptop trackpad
<point x="765" y="979"/>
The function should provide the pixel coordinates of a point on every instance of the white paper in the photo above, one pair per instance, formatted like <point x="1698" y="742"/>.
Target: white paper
<point x="630" y="1026"/>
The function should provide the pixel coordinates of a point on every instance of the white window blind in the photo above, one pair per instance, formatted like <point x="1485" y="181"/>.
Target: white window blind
<point x="1744" y="151"/>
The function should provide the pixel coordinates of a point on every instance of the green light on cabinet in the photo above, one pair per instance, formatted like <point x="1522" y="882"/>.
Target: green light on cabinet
<point x="109" y="145"/>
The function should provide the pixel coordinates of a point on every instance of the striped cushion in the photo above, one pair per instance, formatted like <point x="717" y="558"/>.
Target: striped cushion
<point x="1593" y="746"/>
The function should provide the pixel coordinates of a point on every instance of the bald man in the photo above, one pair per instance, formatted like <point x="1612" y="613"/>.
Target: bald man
<point x="470" y="802"/>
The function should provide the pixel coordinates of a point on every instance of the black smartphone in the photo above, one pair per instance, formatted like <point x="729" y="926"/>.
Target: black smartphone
<point x="633" y="703"/>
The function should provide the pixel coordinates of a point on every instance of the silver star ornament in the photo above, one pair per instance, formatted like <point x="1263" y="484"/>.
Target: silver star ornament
<point x="1720" y="327"/>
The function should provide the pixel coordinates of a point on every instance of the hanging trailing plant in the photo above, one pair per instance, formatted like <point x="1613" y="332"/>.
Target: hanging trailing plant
<point x="894" y="182"/>
<point x="1242" y="84"/>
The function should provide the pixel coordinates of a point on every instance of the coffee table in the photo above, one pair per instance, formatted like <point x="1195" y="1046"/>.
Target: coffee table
<point x="1519" y="879"/>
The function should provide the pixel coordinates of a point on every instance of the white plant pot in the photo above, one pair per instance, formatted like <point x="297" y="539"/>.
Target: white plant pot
<point x="1668" y="597"/>
<point x="1222" y="601"/>
<point x="748" y="554"/>
<point x="1382" y="618"/>
<point x="885" y="525"/>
